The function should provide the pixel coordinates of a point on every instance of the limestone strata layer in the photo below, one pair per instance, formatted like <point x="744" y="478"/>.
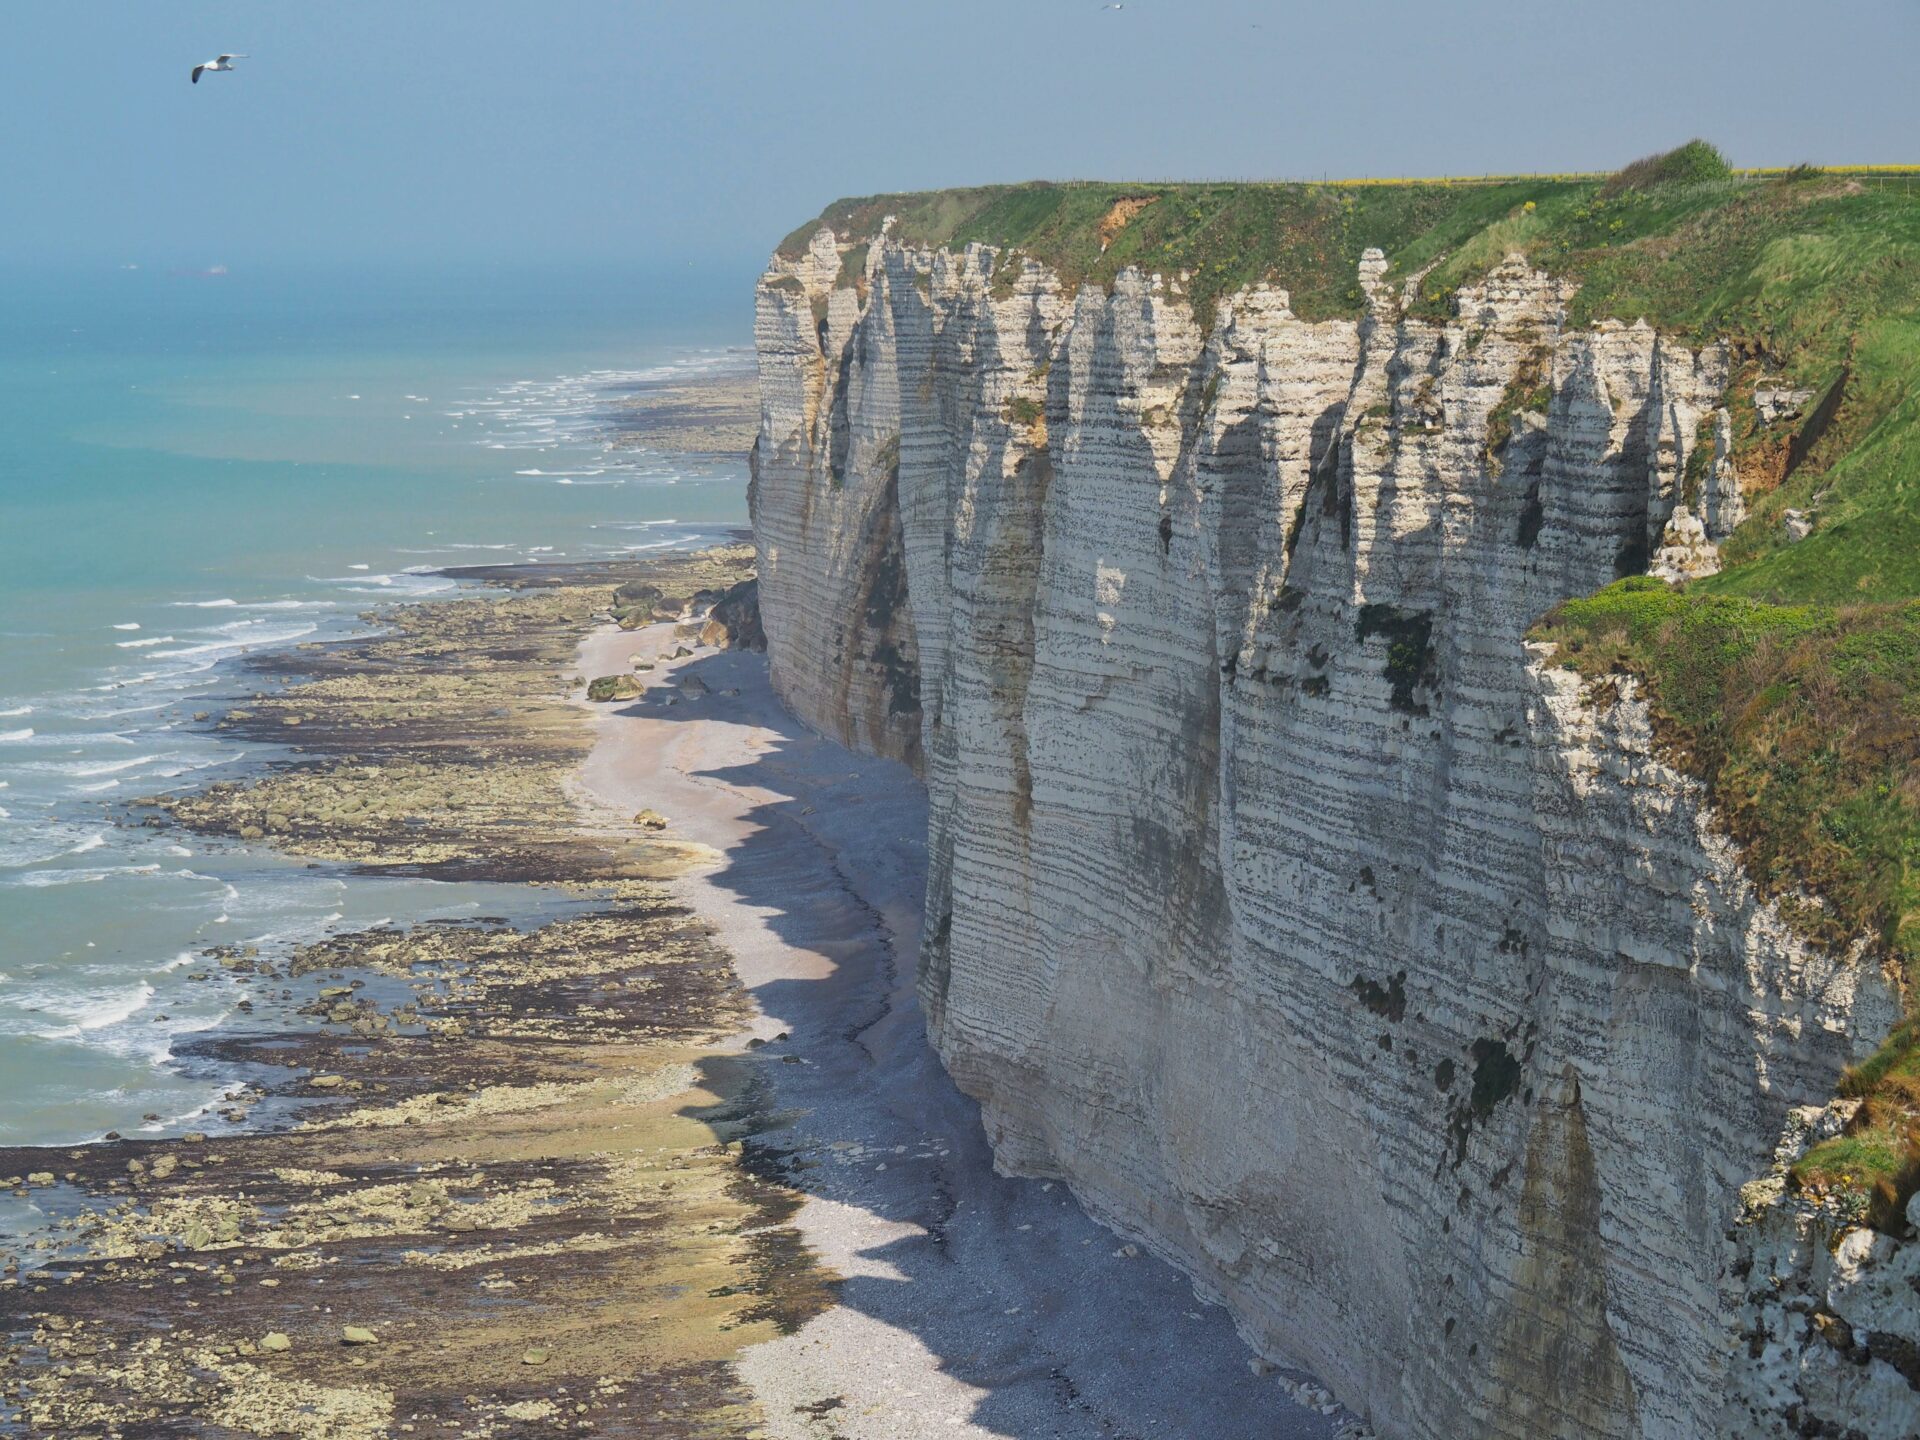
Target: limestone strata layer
<point x="1285" y="904"/>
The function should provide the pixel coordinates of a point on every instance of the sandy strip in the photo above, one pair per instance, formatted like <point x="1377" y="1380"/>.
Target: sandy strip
<point x="972" y="1304"/>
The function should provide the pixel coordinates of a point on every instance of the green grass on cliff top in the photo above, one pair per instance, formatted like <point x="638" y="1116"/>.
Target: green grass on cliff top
<point x="1790" y="682"/>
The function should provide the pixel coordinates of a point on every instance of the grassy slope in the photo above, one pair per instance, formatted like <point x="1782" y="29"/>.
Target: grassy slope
<point x="1790" y="682"/>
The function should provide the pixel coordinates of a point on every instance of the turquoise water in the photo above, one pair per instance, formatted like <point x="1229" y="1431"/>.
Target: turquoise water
<point x="193" y="467"/>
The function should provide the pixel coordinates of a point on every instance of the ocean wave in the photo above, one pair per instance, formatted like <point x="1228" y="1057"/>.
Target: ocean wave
<point x="48" y="740"/>
<point x="143" y="644"/>
<point x="37" y="846"/>
<point x="97" y="1011"/>
<point x="109" y="767"/>
<point x="224" y="603"/>
<point x="128" y="625"/>
<point x="14" y="737"/>
<point x="45" y="879"/>
<point x="16" y="712"/>
<point x="236" y="642"/>
<point x="89" y="845"/>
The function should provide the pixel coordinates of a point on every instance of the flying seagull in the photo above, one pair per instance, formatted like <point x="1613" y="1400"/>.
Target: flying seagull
<point x="222" y="62"/>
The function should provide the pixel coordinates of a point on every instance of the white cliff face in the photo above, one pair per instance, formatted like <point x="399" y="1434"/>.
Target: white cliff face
<point x="1282" y="902"/>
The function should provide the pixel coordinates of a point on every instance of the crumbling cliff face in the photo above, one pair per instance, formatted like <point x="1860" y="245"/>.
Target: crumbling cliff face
<point x="1315" y="928"/>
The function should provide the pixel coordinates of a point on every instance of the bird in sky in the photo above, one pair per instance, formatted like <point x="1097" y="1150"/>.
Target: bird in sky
<point x="220" y="62"/>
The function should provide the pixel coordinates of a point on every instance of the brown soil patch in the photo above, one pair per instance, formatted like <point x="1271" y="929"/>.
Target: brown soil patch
<point x="1121" y="215"/>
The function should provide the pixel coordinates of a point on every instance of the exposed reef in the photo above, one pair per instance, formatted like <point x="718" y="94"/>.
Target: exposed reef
<point x="503" y="1189"/>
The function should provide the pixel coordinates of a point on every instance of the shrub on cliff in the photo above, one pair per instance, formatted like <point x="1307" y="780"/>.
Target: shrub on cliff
<point x="1687" y="164"/>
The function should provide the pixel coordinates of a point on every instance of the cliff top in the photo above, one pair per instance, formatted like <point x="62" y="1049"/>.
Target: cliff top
<point x="1309" y="236"/>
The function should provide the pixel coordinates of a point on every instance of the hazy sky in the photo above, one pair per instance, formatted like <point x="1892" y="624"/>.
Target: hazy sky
<point x="564" y="130"/>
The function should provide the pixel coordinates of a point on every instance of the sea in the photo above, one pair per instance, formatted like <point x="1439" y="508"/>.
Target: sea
<point x="200" y="464"/>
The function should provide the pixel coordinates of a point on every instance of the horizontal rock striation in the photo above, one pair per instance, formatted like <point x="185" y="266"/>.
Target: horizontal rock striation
<point x="1283" y="901"/>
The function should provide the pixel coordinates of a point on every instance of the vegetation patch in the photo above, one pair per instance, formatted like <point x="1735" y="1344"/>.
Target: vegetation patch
<point x="1411" y="665"/>
<point x="1531" y="389"/>
<point x="1689" y="164"/>
<point x="853" y="269"/>
<point x="1496" y="1078"/>
<point x="1023" y="412"/>
<point x="1875" y="1163"/>
<point x="1804" y="723"/>
<point x="1388" y="1001"/>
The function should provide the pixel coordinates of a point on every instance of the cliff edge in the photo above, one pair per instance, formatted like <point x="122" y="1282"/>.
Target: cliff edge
<point x="1322" y="917"/>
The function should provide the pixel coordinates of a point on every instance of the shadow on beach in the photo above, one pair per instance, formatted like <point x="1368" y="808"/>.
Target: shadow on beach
<point x="1049" y="1323"/>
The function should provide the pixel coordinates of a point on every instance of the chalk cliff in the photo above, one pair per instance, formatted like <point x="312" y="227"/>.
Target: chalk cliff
<point x="1314" y="927"/>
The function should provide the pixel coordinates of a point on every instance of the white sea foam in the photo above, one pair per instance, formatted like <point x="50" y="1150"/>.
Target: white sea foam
<point x="97" y="1011"/>
<point x="90" y="768"/>
<point x="45" y="879"/>
<point x="14" y="737"/>
<point x="89" y="845"/>
<point x="17" y="711"/>
<point x="128" y="625"/>
<point x="223" y="603"/>
<point x="143" y="644"/>
<point x="236" y="642"/>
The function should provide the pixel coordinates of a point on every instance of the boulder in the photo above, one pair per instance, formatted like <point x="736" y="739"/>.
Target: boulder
<point x="634" y="604"/>
<point x="734" y="621"/>
<point x="615" y="687"/>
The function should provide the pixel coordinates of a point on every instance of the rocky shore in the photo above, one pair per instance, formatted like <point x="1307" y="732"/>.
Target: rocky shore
<point x="702" y="415"/>
<point x="505" y="1193"/>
